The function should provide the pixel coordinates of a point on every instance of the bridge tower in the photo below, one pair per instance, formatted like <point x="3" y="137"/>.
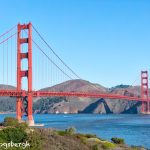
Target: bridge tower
<point x="145" y="92"/>
<point x="24" y="73"/>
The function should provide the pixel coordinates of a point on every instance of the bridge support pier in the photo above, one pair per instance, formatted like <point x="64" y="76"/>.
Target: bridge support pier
<point x="30" y="120"/>
<point x="24" y="73"/>
<point x="18" y="109"/>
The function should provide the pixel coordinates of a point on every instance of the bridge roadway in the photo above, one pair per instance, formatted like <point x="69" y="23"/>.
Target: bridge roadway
<point x="23" y="93"/>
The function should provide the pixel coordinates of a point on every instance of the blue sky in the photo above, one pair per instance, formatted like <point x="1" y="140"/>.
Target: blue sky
<point x="104" y="41"/>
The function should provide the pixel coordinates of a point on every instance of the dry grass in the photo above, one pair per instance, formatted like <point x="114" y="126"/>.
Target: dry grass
<point x="63" y="140"/>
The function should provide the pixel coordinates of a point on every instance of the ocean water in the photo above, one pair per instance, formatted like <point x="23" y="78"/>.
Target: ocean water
<point x="135" y="129"/>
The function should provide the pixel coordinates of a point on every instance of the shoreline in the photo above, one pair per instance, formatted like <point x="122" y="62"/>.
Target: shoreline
<point x="7" y="113"/>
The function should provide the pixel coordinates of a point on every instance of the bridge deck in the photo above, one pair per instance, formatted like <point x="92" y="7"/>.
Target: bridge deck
<point x="15" y="93"/>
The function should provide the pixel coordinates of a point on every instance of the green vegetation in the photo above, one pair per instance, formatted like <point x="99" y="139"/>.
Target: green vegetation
<point x="117" y="140"/>
<point x="36" y="139"/>
<point x="13" y="130"/>
<point x="71" y="131"/>
<point x="50" y="139"/>
<point x="13" y="122"/>
<point x="90" y="135"/>
<point x="47" y="103"/>
<point x="17" y="132"/>
<point x="121" y="86"/>
<point x="95" y="147"/>
<point x="9" y="121"/>
<point x="108" y="145"/>
<point x="7" y="104"/>
<point x="16" y="135"/>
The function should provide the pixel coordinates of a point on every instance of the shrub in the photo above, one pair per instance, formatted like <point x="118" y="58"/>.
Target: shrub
<point x="13" y="134"/>
<point x="22" y="125"/>
<point x="95" y="147"/>
<point x="60" y="132"/>
<point x="90" y="135"/>
<point x="108" y="145"/>
<point x="93" y="140"/>
<point x="71" y="131"/>
<point x="36" y="140"/>
<point x="117" y="140"/>
<point x="13" y="122"/>
<point x="10" y="121"/>
<point x="81" y="137"/>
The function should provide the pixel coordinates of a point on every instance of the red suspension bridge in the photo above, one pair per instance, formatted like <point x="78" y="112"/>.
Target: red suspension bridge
<point x="19" y="51"/>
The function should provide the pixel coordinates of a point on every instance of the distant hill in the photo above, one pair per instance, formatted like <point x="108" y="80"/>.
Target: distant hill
<point x="77" y="86"/>
<point x="88" y="105"/>
<point x="76" y="104"/>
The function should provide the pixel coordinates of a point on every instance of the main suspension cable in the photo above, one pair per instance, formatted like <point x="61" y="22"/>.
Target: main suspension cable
<point x="8" y="38"/>
<point x="8" y="31"/>
<point x="92" y="85"/>
<point x="50" y="59"/>
<point x="55" y="53"/>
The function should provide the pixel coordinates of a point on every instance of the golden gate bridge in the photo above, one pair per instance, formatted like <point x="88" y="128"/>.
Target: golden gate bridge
<point x="17" y="44"/>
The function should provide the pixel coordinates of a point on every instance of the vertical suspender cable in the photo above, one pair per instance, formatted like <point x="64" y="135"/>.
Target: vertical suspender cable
<point x="56" y="54"/>
<point x="11" y="60"/>
<point x="7" y="63"/>
<point x="35" y="69"/>
<point x="3" y="62"/>
<point x="37" y="66"/>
